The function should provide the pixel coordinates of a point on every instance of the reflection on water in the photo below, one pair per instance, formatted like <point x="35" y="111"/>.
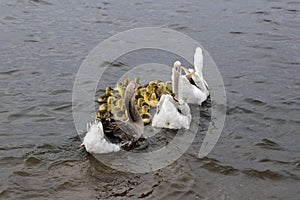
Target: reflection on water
<point x="255" y="45"/>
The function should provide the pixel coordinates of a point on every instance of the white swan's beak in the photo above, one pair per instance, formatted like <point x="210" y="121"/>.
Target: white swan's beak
<point x="186" y="71"/>
<point x="82" y="145"/>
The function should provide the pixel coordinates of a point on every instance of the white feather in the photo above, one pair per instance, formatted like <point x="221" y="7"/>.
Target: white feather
<point x="167" y="115"/>
<point x="95" y="142"/>
<point x="194" y="94"/>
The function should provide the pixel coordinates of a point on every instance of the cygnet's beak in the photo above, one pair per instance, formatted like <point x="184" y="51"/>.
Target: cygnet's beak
<point x="82" y="145"/>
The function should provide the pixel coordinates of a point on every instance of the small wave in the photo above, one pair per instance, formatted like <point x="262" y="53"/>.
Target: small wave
<point x="32" y="161"/>
<point x="266" y="160"/>
<point x="214" y="166"/>
<point x="261" y="13"/>
<point x="292" y="10"/>
<point x="271" y="21"/>
<point x="10" y="72"/>
<point x="264" y="174"/>
<point x="41" y="2"/>
<point x="255" y="101"/>
<point x="237" y="32"/>
<point x="268" y="144"/>
<point x="238" y="109"/>
<point x="31" y="40"/>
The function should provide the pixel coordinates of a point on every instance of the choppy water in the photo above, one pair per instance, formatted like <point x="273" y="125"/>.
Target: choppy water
<point x="256" y="47"/>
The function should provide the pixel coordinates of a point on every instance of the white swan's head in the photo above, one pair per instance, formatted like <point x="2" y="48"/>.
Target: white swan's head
<point x="198" y="50"/>
<point x="177" y="64"/>
<point x="176" y="69"/>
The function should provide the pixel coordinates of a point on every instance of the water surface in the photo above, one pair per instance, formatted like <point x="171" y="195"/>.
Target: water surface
<point x="255" y="44"/>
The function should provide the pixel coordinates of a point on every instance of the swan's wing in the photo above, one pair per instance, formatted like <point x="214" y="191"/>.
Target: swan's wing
<point x="198" y="60"/>
<point x="161" y="102"/>
<point x="199" y="81"/>
<point x="206" y="85"/>
<point x="182" y="107"/>
<point x="119" y="129"/>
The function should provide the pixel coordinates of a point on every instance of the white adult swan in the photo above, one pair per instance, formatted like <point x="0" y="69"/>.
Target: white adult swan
<point x="193" y="88"/>
<point x="111" y="135"/>
<point x="172" y="112"/>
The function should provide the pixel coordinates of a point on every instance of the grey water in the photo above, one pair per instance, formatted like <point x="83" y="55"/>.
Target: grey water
<point x="255" y="45"/>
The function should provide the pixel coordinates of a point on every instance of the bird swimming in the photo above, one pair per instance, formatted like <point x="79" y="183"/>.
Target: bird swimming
<point x="193" y="87"/>
<point x="172" y="112"/>
<point x="132" y="129"/>
<point x="103" y="98"/>
<point x="105" y="109"/>
<point x="146" y="116"/>
<point x="109" y="135"/>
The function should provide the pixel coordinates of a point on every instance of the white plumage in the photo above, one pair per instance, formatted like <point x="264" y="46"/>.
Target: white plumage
<point x="172" y="112"/>
<point x="95" y="142"/>
<point x="193" y="88"/>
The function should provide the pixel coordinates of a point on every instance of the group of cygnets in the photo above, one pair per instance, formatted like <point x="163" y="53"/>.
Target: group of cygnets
<point x="124" y="110"/>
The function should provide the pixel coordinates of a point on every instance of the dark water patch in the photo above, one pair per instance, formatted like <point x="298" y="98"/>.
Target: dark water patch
<point x="10" y="161"/>
<point x="146" y="194"/>
<point x="10" y="72"/>
<point x="215" y="166"/>
<point x="255" y="101"/>
<point x="36" y="73"/>
<point x="65" y="186"/>
<point x="292" y="10"/>
<point x="219" y="168"/>
<point x="66" y="107"/>
<point x="41" y="2"/>
<point x="71" y="75"/>
<point x="290" y="102"/>
<point x="297" y="165"/>
<point x="238" y="109"/>
<point x="54" y="104"/>
<point x="263" y="174"/>
<point x="9" y="18"/>
<point x="276" y="7"/>
<point x="270" y="21"/>
<point x="288" y="62"/>
<point x="24" y="115"/>
<point x="268" y="144"/>
<point x="56" y="92"/>
<point x="22" y="173"/>
<point x="103" y="22"/>
<point x="237" y="32"/>
<point x="113" y="64"/>
<point x="32" y="161"/>
<point x="266" y="160"/>
<point x="117" y="64"/>
<point x="181" y="11"/>
<point x="261" y="13"/>
<point x="239" y="76"/>
<point x="6" y="147"/>
<point x="31" y="40"/>
<point x="261" y="47"/>
<point x="178" y="27"/>
<point x="277" y="120"/>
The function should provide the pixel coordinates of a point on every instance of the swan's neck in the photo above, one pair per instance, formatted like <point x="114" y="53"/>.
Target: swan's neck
<point x="198" y="62"/>
<point x="175" y="83"/>
<point x="133" y="113"/>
